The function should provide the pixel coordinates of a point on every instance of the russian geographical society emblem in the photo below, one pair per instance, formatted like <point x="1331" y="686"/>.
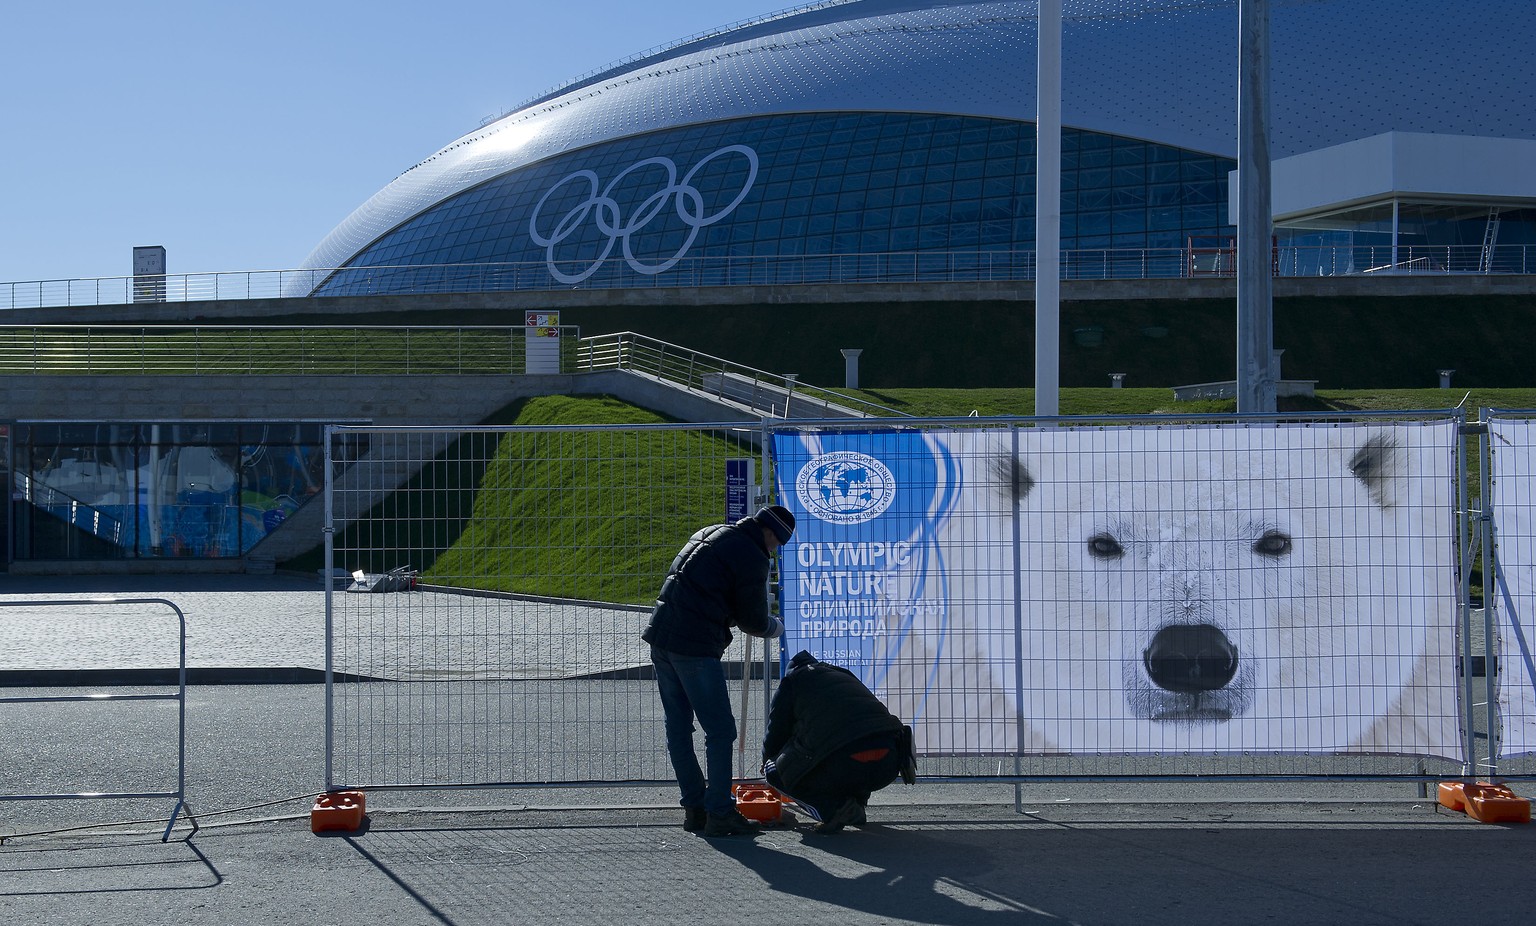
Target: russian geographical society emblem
<point x="845" y="487"/>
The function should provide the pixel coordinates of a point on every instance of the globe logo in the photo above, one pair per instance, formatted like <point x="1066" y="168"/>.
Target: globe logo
<point x="845" y="487"/>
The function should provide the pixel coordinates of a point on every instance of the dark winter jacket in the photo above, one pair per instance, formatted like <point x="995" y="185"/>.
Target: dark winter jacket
<point x="719" y="580"/>
<point x="818" y="709"/>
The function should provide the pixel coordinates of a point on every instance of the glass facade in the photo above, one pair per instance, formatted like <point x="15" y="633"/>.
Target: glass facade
<point x="1431" y="237"/>
<point x="803" y="186"/>
<point x="173" y="489"/>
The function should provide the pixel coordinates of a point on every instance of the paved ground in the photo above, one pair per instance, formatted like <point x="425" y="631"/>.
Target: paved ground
<point x="1148" y="852"/>
<point x="969" y="865"/>
<point x="248" y="622"/>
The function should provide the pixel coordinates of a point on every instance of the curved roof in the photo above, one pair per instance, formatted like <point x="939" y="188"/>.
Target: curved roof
<point x="1159" y="70"/>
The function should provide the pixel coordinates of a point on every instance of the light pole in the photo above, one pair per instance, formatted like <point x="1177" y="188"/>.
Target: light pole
<point x="1255" y="274"/>
<point x="1048" y="211"/>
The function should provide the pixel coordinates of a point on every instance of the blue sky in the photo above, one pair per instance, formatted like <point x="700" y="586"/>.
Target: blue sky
<point x="237" y="135"/>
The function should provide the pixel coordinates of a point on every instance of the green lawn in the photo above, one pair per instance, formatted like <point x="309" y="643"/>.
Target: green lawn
<point x="1144" y="401"/>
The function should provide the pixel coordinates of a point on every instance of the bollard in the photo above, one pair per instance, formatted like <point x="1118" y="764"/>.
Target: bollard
<point x="851" y="367"/>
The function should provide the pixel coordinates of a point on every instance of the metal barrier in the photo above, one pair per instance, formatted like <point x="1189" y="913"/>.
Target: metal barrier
<point x="180" y="697"/>
<point x="1505" y="533"/>
<point x="965" y="599"/>
<point x="531" y="672"/>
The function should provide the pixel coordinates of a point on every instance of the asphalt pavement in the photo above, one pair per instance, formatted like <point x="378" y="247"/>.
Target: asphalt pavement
<point x="241" y="852"/>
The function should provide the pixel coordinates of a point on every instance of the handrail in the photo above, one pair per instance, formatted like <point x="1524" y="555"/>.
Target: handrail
<point x="770" y="394"/>
<point x="46" y="498"/>
<point x="786" y="270"/>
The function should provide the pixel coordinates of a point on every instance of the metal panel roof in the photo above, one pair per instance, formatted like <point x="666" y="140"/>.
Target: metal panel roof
<point x="1159" y="70"/>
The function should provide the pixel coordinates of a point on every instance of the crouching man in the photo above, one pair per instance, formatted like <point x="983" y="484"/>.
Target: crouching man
<point x="830" y="743"/>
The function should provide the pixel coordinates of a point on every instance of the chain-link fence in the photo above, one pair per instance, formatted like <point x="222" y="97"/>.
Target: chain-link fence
<point x="1067" y="599"/>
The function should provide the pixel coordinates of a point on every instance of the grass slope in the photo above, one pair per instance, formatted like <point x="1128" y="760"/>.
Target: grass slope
<point x="594" y="514"/>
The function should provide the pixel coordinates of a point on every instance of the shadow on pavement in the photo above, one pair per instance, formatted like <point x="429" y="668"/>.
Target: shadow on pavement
<point x="954" y="873"/>
<point x="108" y="868"/>
<point x="893" y="874"/>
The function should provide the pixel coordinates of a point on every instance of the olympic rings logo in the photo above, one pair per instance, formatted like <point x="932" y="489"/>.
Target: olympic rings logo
<point x="689" y="206"/>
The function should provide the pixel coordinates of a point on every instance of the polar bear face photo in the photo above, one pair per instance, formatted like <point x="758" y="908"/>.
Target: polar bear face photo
<point x="1204" y="589"/>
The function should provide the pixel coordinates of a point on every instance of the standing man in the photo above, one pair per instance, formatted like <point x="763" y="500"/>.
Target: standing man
<point x="719" y="580"/>
<point x="831" y="742"/>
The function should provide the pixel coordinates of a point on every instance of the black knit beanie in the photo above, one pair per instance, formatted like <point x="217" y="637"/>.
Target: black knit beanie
<point x="778" y="519"/>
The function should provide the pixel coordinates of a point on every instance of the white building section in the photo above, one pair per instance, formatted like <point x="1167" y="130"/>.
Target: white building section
<point x="1402" y="164"/>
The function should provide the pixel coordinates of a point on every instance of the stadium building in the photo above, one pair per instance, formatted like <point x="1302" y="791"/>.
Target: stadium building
<point x="856" y="174"/>
<point x="893" y="140"/>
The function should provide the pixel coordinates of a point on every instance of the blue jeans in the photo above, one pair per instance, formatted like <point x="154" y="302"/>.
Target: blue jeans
<point x="694" y="686"/>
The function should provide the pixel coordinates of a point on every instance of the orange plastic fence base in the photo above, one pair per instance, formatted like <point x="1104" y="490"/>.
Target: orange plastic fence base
<point x="758" y="801"/>
<point x="338" y="811"/>
<point x="1488" y="803"/>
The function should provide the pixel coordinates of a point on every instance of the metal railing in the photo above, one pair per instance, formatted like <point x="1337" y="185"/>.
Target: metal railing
<point x="770" y="394"/>
<point x="218" y="350"/>
<point x="690" y="272"/>
<point x="201" y="350"/>
<point x="67" y="508"/>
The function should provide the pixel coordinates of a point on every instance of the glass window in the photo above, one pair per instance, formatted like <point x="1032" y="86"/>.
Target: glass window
<point x="1093" y="158"/>
<point x="973" y="178"/>
<point x="1124" y="221"/>
<point x="1093" y="179"/>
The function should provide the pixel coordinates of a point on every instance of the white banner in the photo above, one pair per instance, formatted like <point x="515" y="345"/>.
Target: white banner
<point x="1135" y="590"/>
<point x="1512" y="592"/>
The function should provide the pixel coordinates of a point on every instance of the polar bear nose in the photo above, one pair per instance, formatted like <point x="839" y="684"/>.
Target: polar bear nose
<point x="1190" y="657"/>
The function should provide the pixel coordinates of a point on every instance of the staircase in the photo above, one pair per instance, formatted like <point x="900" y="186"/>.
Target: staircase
<point x="69" y="509"/>
<point x="740" y="388"/>
<point x="1490" y="238"/>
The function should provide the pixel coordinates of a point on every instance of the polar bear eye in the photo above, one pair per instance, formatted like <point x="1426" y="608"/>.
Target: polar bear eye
<point x="1103" y="546"/>
<point x="1273" y="543"/>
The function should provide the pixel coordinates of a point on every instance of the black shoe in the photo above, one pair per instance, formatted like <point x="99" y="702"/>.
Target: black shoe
<point x="729" y="824"/>
<point x="850" y="812"/>
<point x="694" y="819"/>
<point x="859" y="819"/>
<point x="908" y="757"/>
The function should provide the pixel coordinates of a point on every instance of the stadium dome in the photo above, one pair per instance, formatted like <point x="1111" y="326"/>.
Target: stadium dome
<point x="887" y="132"/>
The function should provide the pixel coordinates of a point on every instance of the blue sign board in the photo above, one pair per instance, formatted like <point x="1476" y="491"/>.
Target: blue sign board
<point x="738" y="489"/>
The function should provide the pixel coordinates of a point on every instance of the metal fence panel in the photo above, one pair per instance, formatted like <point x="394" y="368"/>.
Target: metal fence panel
<point x="516" y="659"/>
<point x="1285" y="588"/>
<point x="1510" y="497"/>
<point x="88" y="616"/>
